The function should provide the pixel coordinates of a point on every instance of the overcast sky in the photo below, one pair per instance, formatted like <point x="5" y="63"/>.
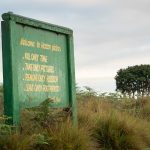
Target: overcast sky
<point x="108" y="34"/>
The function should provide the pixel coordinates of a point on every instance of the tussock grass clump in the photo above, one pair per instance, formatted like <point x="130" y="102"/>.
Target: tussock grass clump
<point x="20" y="142"/>
<point x="113" y="133"/>
<point x="121" y="132"/>
<point x="63" y="136"/>
<point x="52" y="129"/>
<point x="111" y="128"/>
<point x="67" y="137"/>
<point x="89" y="111"/>
<point x="44" y="128"/>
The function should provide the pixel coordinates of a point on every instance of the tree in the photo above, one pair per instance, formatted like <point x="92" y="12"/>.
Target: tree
<point x="134" y="80"/>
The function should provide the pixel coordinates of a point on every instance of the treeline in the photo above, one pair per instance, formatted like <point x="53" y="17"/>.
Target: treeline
<point x="134" y="81"/>
<point x="87" y="92"/>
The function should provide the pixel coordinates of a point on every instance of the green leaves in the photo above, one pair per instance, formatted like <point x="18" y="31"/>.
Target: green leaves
<point x="134" y="80"/>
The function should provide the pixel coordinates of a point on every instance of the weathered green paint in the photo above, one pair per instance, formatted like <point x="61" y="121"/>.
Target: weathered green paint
<point x="38" y="63"/>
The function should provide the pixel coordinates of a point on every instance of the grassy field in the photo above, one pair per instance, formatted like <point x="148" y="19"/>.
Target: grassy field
<point x="105" y="122"/>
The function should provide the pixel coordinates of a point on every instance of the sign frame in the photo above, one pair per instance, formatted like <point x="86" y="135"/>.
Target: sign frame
<point x="11" y="98"/>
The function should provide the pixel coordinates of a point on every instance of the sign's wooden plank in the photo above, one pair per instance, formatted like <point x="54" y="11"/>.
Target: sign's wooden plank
<point x="38" y="63"/>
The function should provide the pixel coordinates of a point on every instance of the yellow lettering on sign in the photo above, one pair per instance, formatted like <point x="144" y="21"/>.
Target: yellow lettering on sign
<point x="41" y="45"/>
<point x="52" y="79"/>
<point x="45" y="46"/>
<point x="38" y="88"/>
<point x="56" y="48"/>
<point x="28" y="88"/>
<point x="41" y="88"/>
<point x="47" y="88"/>
<point x="37" y="67"/>
<point x="43" y="58"/>
<point x="38" y="44"/>
<point x="28" y="43"/>
<point x="31" y="56"/>
<point x="35" y="77"/>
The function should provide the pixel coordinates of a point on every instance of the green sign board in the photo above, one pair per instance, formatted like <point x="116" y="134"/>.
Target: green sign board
<point x="38" y="63"/>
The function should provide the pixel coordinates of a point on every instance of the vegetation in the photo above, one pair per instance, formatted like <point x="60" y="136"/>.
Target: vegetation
<point x="106" y="121"/>
<point x="134" y="80"/>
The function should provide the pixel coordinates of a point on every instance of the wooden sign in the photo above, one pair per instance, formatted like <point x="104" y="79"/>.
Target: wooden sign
<point x="38" y="63"/>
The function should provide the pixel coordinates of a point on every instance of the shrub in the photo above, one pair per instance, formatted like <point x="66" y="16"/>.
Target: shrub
<point x="68" y="137"/>
<point x="115" y="132"/>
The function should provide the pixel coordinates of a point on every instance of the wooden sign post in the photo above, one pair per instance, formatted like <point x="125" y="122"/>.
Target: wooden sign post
<point x="38" y="63"/>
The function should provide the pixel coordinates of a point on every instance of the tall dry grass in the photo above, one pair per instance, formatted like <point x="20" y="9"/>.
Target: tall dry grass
<point x="112" y="128"/>
<point x="103" y="124"/>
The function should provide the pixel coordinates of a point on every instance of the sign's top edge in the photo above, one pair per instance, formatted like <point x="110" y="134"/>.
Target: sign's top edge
<point x="36" y="23"/>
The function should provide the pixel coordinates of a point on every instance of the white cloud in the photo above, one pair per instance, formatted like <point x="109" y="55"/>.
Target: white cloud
<point x="75" y="2"/>
<point x="108" y="34"/>
<point x="104" y="84"/>
<point x="88" y="2"/>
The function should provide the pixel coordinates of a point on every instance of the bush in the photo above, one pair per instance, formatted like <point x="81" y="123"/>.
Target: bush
<point x="115" y="132"/>
<point x="67" y="137"/>
<point x="102" y="124"/>
<point x="61" y="137"/>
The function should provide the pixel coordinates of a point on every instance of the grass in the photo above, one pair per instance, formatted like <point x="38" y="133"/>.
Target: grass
<point x="145" y="110"/>
<point x="115" y="132"/>
<point x="113" y="127"/>
<point x="103" y="124"/>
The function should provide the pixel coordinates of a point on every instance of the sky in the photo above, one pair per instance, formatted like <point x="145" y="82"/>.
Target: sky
<point x="108" y="34"/>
